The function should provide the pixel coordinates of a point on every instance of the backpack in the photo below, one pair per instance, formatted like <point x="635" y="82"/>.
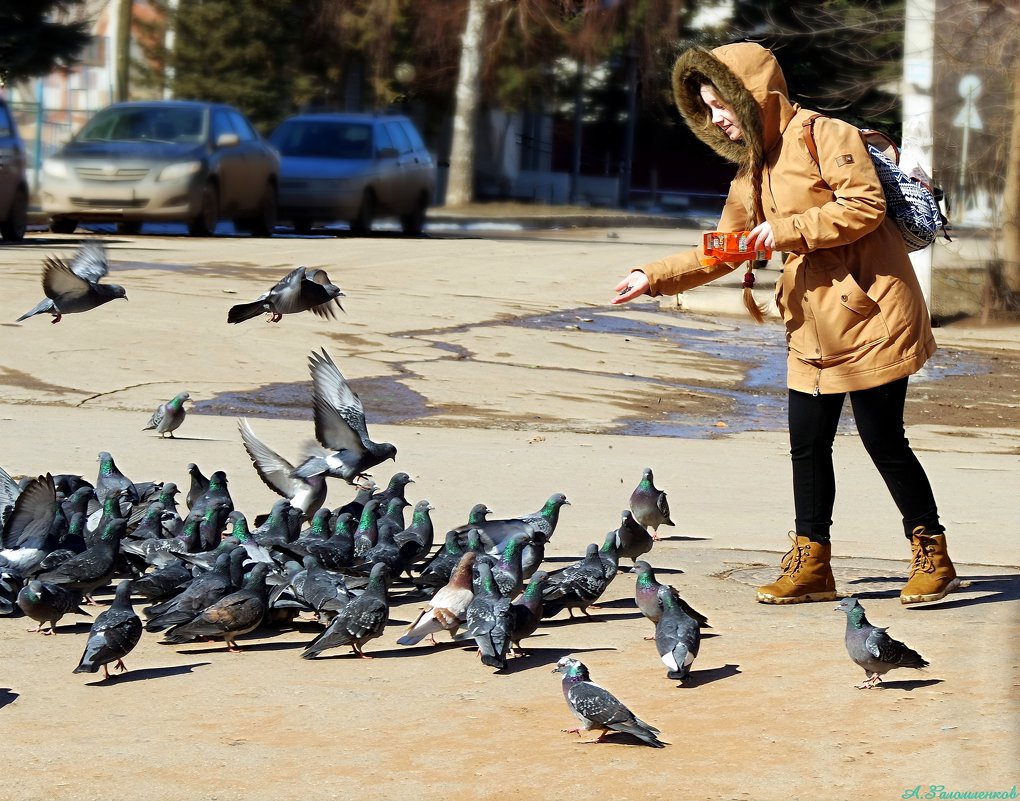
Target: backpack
<point x="910" y="202"/>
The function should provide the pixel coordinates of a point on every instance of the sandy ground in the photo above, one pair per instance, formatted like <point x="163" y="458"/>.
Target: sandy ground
<point x="486" y="405"/>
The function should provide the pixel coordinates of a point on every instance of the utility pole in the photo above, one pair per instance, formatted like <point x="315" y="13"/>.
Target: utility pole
<point x="123" y="34"/>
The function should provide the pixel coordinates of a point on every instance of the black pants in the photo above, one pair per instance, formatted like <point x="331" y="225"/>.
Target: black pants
<point x="878" y="413"/>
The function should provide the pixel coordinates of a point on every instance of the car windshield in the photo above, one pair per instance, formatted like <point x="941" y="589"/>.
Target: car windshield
<point x="146" y="123"/>
<point x="323" y="139"/>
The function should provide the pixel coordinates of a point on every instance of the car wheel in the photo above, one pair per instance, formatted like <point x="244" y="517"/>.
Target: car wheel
<point x="129" y="227"/>
<point x="63" y="225"/>
<point x="362" y="224"/>
<point x="14" y="227"/>
<point x="265" y="221"/>
<point x="413" y="223"/>
<point x="205" y="223"/>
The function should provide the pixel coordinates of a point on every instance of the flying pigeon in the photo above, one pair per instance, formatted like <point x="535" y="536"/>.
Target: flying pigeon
<point x="302" y="289"/>
<point x="597" y="708"/>
<point x="47" y="603"/>
<point x="361" y="620"/>
<point x="649" y="504"/>
<point x="75" y="287"/>
<point x="447" y="609"/>
<point x="168" y="416"/>
<point x="871" y="648"/>
<point x="340" y="426"/>
<point x="677" y="636"/>
<point x="114" y="633"/>
<point x="306" y="494"/>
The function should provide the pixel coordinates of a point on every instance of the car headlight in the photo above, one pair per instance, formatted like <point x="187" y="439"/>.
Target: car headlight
<point x="176" y="172"/>
<point x="55" y="168"/>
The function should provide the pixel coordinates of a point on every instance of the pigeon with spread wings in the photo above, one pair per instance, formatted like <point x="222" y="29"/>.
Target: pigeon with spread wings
<point x="76" y="287"/>
<point x="340" y="426"/>
<point x="302" y="289"/>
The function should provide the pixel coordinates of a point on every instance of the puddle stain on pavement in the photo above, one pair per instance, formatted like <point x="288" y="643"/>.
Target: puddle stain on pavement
<point x="758" y="403"/>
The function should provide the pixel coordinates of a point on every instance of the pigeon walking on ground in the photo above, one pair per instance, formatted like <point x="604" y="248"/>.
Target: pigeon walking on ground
<point x="646" y="595"/>
<point x="632" y="539"/>
<point x="677" y="636"/>
<point x="302" y="289"/>
<point x="576" y="586"/>
<point x="649" y="504"/>
<point x="447" y="609"/>
<point x="76" y="287"/>
<point x="168" y="416"/>
<point x="489" y="619"/>
<point x="340" y="426"/>
<point x="47" y="603"/>
<point x="871" y="648"/>
<point x="230" y="617"/>
<point x="597" y="708"/>
<point x="526" y="612"/>
<point x="361" y="620"/>
<point x="114" y="633"/>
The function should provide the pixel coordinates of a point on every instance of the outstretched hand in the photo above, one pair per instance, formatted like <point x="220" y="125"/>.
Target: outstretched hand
<point x="633" y="286"/>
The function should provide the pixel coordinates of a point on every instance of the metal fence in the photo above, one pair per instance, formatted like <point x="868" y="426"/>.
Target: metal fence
<point x="44" y="130"/>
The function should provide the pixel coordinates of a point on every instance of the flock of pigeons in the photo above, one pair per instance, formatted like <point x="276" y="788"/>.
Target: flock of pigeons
<point x="209" y="574"/>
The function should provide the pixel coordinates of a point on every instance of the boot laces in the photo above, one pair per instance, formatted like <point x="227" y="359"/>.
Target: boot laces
<point x="922" y="560"/>
<point x="791" y="562"/>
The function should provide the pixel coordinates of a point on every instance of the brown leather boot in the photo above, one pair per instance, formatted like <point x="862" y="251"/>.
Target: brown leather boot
<point x="806" y="575"/>
<point x="932" y="575"/>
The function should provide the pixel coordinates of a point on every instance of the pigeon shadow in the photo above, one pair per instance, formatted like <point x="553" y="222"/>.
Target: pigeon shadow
<point x="7" y="696"/>
<point x="618" y="738"/>
<point x="683" y="538"/>
<point x="908" y="684"/>
<point x="544" y="657"/>
<point x="696" y="678"/>
<point x="147" y="673"/>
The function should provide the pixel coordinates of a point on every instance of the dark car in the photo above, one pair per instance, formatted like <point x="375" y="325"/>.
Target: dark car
<point x="167" y="160"/>
<point x="13" y="185"/>
<point x="353" y="168"/>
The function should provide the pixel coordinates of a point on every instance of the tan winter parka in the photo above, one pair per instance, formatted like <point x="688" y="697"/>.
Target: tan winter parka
<point x="854" y="313"/>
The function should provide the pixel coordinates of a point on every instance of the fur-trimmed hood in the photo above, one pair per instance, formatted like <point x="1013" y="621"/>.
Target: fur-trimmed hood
<point x="748" y="78"/>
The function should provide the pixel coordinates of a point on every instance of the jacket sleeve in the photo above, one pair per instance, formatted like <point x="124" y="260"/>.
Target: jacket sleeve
<point x="681" y="271"/>
<point x="857" y="204"/>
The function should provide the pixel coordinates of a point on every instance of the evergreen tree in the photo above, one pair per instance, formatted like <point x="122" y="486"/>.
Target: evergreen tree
<point x="243" y="52"/>
<point x="32" y="43"/>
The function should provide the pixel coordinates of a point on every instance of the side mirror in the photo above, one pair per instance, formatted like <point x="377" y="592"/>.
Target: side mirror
<point x="227" y="140"/>
<point x="388" y="153"/>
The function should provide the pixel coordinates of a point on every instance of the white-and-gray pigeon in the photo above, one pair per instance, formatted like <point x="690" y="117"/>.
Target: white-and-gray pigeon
<point x="75" y="287"/>
<point x="306" y="494"/>
<point x="302" y="289"/>
<point x="677" y="636"/>
<point x="597" y="708"/>
<point x="168" y="416"/>
<point x="340" y="426"/>
<point x="871" y="648"/>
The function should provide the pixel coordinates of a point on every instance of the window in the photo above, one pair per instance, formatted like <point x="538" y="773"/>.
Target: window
<point x="242" y="128"/>
<point x="400" y="140"/>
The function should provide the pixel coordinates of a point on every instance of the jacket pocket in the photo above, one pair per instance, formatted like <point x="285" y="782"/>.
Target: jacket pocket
<point x="847" y="319"/>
